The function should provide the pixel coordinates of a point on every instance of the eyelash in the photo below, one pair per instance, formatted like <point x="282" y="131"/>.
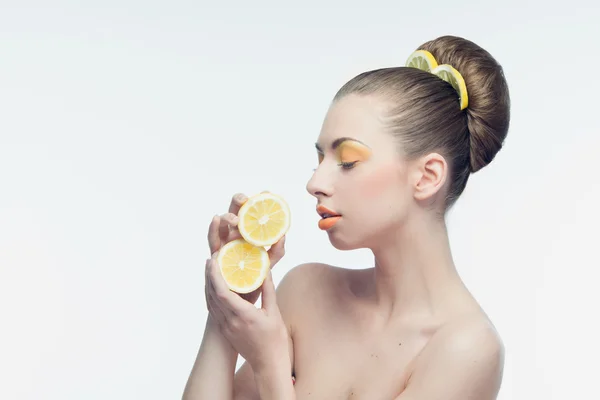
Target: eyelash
<point x="344" y="165"/>
<point x="347" y="165"/>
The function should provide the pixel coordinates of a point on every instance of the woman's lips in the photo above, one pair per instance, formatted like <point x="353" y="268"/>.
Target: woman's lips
<point x="328" y="217"/>
<point x="326" y="223"/>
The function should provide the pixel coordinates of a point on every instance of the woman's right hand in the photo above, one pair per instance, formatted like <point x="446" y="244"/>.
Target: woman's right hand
<point x="222" y="230"/>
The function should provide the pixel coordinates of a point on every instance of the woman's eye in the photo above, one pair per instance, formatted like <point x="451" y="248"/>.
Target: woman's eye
<point x="348" y="165"/>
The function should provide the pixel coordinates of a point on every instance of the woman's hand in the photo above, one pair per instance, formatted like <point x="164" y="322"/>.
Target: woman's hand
<point x="223" y="229"/>
<point x="257" y="334"/>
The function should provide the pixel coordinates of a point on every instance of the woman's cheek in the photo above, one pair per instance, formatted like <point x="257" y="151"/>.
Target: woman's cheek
<point x="379" y="182"/>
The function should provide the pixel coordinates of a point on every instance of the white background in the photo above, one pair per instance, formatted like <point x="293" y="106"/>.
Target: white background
<point x="126" y="125"/>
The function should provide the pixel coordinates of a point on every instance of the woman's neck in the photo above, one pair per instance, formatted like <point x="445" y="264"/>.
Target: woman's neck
<point x="414" y="271"/>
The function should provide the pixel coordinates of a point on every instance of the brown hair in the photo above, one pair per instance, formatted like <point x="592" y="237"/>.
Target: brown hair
<point x="424" y="112"/>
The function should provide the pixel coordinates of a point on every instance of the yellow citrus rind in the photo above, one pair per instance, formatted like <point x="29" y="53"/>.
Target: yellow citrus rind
<point x="453" y="77"/>
<point x="264" y="219"/>
<point x="423" y="60"/>
<point x="243" y="266"/>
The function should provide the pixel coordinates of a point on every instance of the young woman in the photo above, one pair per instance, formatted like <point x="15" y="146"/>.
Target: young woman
<point x="395" y="152"/>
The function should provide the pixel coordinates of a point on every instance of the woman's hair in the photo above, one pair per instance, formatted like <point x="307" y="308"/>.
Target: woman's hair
<point x="424" y="111"/>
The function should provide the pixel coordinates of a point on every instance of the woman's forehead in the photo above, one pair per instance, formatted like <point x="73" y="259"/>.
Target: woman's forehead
<point x="355" y="117"/>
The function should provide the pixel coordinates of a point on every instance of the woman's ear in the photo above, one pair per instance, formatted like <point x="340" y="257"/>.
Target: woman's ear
<point x="430" y="175"/>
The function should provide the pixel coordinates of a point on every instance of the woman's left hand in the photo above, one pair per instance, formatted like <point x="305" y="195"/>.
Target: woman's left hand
<point x="259" y="335"/>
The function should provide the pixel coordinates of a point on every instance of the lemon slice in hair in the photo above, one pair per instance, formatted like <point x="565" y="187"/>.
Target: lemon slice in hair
<point x="453" y="77"/>
<point x="423" y="60"/>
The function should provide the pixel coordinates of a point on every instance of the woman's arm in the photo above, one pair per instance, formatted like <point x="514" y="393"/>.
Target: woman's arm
<point x="272" y="383"/>
<point x="238" y="327"/>
<point x="247" y="385"/>
<point x="212" y="374"/>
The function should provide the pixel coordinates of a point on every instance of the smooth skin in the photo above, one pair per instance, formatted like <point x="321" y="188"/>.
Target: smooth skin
<point x="405" y="329"/>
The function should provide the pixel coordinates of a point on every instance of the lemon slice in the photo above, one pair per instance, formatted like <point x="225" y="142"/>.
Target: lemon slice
<point x="422" y="59"/>
<point x="453" y="77"/>
<point x="264" y="219"/>
<point x="243" y="266"/>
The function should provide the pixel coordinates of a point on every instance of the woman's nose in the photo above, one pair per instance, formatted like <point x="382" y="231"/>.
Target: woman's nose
<point x="320" y="184"/>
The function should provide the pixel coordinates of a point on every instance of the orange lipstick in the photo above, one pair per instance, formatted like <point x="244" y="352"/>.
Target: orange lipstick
<point x="328" y="217"/>
<point x="329" y="222"/>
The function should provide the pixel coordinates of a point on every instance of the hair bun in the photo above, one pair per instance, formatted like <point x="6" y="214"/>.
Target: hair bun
<point x="488" y="112"/>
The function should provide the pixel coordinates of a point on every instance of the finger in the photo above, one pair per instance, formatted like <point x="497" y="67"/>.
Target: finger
<point x="236" y="202"/>
<point x="226" y="221"/>
<point x="277" y="251"/>
<point x="222" y="312"/>
<point x="269" y="295"/>
<point x="229" y="301"/>
<point x="214" y="242"/>
<point x="207" y="283"/>
<point x="212" y="305"/>
<point x="208" y="287"/>
<point x="211" y="296"/>
<point x="216" y="313"/>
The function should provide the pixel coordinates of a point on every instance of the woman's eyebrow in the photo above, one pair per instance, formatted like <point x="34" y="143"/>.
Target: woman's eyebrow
<point x="337" y="142"/>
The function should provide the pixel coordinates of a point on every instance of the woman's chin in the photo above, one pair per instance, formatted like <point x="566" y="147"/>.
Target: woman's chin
<point x="341" y="241"/>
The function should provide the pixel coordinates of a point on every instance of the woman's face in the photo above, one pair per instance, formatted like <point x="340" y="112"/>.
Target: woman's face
<point x="360" y="176"/>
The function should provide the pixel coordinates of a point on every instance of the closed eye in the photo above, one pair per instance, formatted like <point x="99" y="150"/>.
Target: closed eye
<point x="348" y="165"/>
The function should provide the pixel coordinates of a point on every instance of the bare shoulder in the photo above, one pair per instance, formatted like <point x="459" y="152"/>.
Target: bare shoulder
<point x="308" y="280"/>
<point x="464" y="357"/>
<point x="473" y="334"/>
<point x="308" y="286"/>
<point x="304" y="273"/>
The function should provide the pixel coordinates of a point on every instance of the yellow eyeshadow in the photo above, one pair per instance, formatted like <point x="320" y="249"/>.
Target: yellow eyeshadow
<point x="350" y="151"/>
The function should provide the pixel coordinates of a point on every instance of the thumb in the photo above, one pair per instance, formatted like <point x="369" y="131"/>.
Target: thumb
<point x="268" y="295"/>
<point x="277" y="251"/>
